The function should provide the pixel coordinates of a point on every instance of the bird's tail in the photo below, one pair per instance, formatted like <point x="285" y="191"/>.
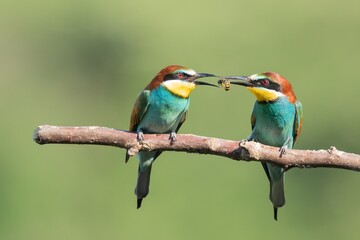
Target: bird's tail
<point x="142" y="185"/>
<point x="277" y="195"/>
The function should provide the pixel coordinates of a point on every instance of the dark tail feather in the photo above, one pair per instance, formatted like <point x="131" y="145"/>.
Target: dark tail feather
<point x="127" y="156"/>
<point x="277" y="195"/>
<point x="275" y="213"/>
<point x="139" y="203"/>
<point x="142" y="185"/>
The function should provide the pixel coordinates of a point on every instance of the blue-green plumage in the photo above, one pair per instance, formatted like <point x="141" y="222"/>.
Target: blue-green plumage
<point x="273" y="125"/>
<point x="164" y="113"/>
<point x="161" y="108"/>
<point x="276" y="121"/>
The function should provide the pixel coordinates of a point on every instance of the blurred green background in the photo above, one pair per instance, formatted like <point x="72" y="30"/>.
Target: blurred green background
<point x="84" y="62"/>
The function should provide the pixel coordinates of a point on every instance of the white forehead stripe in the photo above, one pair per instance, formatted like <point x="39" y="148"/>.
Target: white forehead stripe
<point x="189" y="72"/>
<point x="257" y="77"/>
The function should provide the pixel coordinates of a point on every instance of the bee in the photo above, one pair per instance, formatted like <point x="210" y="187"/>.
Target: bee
<point x="225" y="84"/>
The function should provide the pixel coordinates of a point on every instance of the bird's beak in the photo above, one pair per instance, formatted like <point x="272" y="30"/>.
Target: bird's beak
<point x="203" y="75"/>
<point x="238" y="80"/>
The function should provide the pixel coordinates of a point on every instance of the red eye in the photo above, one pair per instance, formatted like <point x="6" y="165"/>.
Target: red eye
<point x="264" y="82"/>
<point x="180" y="75"/>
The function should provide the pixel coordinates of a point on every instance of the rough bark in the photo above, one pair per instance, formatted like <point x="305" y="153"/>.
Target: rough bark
<point x="236" y="150"/>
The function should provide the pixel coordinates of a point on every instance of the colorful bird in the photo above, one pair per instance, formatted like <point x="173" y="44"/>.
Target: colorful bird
<point x="276" y="120"/>
<point x="161" y="108"/>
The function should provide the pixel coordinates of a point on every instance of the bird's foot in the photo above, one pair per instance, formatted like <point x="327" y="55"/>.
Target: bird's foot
<point x="172" y="137"/>
<point x="331" y="150"/>
<point x="140" y="136"/>
<point x="282" y="150"/>
<point x="243" y="142"/>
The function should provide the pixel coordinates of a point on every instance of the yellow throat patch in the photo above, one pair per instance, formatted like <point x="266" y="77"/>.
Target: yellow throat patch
<point x="263" y="95"/>
<point x="179" y="88"/>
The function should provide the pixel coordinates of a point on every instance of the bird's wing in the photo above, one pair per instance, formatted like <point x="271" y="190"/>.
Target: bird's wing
<point x="298" y="119"/>
<point x="140" y="107"/>
<point x="253" y="121"/>
<point x="182" y="120"/>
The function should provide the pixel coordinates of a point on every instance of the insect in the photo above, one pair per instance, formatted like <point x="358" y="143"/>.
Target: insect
<point x="225" y="84"/>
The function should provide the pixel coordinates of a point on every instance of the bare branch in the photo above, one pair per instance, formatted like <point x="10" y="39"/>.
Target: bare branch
<point x="236" y="150"/>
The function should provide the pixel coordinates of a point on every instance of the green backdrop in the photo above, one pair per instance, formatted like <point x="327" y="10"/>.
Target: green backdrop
<point x="84" y="62"/>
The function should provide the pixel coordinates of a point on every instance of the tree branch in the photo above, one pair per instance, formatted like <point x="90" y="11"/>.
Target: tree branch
<point x="236" y="150"/>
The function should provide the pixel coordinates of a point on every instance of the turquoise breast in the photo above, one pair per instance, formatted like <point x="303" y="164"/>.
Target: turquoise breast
<point x="274" y="122"/>
<point x="164" y="112"/>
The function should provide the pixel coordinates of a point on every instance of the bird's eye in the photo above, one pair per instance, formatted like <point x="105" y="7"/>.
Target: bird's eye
<point x="264" y="82"/>
<point x="180" y="75"/>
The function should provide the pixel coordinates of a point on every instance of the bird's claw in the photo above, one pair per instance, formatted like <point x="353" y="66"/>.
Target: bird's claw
<point x="282" y="150"/>
<point x="243" y="142"/>
<point x="331" y="149"/>
<point x="140" y="136"/>
<point x="172" y="137"/>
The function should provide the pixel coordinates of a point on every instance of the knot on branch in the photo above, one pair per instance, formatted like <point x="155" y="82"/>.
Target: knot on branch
<point x="242" y="153"/>
<point x="134" y="146"/>
<point x="132" y="151"/>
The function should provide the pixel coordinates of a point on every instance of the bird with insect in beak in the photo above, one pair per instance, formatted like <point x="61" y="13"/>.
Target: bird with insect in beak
<point x="276" y="121"/>
<point x="161" y="108"/>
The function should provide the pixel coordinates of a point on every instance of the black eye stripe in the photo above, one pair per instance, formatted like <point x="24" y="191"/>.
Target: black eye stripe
<point x="271" y="85"/>
<point x="185" y="74"/>
<point x="261" y="79"/>
<point x="173" y="76"/>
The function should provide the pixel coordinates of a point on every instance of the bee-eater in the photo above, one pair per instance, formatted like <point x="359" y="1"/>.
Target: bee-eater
<point x="276" y="121"/>
<point x="161" y="108"/>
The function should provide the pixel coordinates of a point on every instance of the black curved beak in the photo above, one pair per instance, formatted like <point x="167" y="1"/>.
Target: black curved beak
<point x="238" y="80"/>
<point x="204" y="75"/>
